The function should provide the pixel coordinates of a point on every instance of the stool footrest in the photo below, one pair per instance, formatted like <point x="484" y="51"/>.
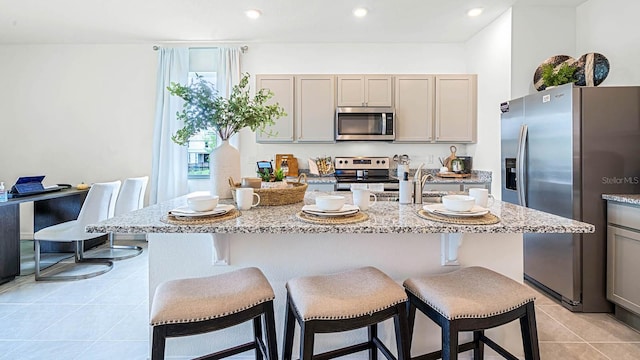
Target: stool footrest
<point x="344" y="351"/>
<point x="438" y="354"/>
<point x="229" y="352"/>
<point x="383" y="349"/>
<point x="497" y="348"/>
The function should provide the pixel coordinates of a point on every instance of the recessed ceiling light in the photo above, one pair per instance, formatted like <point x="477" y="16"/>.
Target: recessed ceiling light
<point x="360" y="12"/>
<point x="474" y="12"/>
<point x="253" y="13"/>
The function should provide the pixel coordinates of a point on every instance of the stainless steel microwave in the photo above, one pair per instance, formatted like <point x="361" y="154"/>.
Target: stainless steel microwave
<point x="365" y="123"/>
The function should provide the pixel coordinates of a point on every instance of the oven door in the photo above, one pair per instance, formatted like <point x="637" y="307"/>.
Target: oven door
<point x="365" y="124"/>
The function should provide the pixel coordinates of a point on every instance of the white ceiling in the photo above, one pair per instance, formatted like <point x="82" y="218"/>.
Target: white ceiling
<point x="145" y="21"/>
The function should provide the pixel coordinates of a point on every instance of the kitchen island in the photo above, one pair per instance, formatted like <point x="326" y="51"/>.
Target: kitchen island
<point x="394" y="239"/>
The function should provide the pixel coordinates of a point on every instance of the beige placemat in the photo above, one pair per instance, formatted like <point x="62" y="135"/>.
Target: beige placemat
<point x="332" y="220"/>
<point x="486" y="219"/>
<point x="200" y="220"/>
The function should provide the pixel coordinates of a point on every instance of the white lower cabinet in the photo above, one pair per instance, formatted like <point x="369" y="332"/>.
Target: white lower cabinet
<point x="455" y="187"/>
<point x="321" y="187"/>
<point x="623" y="255"/>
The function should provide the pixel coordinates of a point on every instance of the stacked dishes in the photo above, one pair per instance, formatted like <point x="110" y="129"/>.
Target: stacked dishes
<point x="457" y="206"/>
<point x="199" y="206"/>
<point x="330" y="206"/>
<point x="185" y="211"/>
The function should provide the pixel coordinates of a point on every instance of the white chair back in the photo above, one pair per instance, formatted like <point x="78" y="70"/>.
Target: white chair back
<point x="131" y="195"/>
<point x="99" y="204"/>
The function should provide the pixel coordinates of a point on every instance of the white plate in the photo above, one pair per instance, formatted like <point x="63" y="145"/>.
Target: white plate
<point x="347" y="209"/>
<point x="440" y="209"/>
<point x="221" y="209"/>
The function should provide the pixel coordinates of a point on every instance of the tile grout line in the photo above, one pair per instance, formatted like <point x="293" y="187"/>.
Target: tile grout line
<point x="578" y="336"/>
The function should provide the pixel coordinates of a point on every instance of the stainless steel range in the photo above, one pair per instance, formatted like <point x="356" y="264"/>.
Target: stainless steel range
<point x="364" y="170"/>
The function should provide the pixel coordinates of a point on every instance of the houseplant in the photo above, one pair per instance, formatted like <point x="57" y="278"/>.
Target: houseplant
<point x="553" y="77"/>
<point x="204" y="109"/>
<point x="272" y="180"/>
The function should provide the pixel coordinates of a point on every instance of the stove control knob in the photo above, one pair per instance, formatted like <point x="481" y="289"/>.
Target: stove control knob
<point x="383" y="162"/>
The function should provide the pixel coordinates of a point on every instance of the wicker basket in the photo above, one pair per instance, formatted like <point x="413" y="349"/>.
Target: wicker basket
<point x="285" y="196"/>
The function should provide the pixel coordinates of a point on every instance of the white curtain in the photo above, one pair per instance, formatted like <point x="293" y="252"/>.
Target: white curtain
<point x="229" y="75"/>
<point x="169" y="167"/>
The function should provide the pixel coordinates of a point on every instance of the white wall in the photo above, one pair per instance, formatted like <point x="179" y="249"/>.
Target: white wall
<point x="409" y="58"/>
<point x="76" y="112"/>
<point x="539" y="32"/>
<point x="611" y="27"/>
<point x="488" y="54"/>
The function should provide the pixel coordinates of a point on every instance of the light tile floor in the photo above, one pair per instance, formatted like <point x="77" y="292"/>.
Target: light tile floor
<point x="106" y="317"/>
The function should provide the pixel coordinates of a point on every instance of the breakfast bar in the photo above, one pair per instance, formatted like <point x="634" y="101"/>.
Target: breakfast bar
<point x="394" y="238"/>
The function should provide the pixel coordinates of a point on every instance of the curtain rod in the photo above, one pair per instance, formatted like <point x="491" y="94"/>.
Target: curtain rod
<point x="243" y="48"/>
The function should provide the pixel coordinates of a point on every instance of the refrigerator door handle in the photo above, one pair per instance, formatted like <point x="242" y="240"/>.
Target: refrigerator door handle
<point x="520" y="165"/>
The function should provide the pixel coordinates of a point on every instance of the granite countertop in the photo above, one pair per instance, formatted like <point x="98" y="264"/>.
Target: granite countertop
<point x="623" y="198"/>
<point x="384" y="217"/>
<point x="477" y="177"/>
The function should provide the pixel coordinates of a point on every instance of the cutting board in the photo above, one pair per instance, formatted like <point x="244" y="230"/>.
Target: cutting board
<point x="447" y="161"/>
<point x="452" y="175"/>
<point x="292" y="162"/>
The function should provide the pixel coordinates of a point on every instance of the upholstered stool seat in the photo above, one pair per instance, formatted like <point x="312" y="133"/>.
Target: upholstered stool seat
<point x="198" y="305"/>
<point x="345" y="301"/>
<point x="473" y="299"/>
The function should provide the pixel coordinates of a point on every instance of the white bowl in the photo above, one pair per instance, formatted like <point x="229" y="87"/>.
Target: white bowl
<point x="458" y="202"/>
<point x="203" y="203"/>
<point x="330" y="202"/>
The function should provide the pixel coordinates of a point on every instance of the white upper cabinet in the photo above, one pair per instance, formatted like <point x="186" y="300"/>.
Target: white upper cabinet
<point x="429" y="108"/>
<point x="414" y="108"/>
<point x="456" y="108"/>
<point x="315" y="107"/>
<point x="282" y="87"/>
<point x="365" y="90"/>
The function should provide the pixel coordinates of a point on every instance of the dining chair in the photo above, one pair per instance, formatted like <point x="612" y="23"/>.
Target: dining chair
<point x="99" y="205"/>
<point x="130" y="198"/>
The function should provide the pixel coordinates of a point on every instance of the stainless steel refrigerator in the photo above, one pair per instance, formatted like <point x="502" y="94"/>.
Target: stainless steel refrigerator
<point x="561" y="150"/>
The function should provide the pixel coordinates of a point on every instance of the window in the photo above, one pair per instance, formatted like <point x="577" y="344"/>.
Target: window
<point x="202" y="62"/>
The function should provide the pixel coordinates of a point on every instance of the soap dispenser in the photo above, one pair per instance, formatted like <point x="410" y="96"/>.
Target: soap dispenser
<point x="406" y="189"/>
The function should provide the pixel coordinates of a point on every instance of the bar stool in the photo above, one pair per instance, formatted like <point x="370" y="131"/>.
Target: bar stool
<point x="473" y="299"/>
<point x="194" y="306"/>
<point x="345" y="301"/>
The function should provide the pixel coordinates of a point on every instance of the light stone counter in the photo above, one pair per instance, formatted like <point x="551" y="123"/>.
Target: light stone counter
<point x="477" y="177"/>
<point x="386" y="217"/>
<point x="394" y="239"/>
<point x="633" y="199"/>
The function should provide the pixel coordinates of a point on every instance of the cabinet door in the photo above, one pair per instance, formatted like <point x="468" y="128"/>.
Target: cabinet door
<point x="623" y="252"/>
<point x="282" y="87"/>
<point x="414" y="108"/>
<point x="378" y="90"/>
<point x="315" y="108"/>
<point x="456" y="108"/>
<point x="351" y="90"/>
<point x="365" y="90"/>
